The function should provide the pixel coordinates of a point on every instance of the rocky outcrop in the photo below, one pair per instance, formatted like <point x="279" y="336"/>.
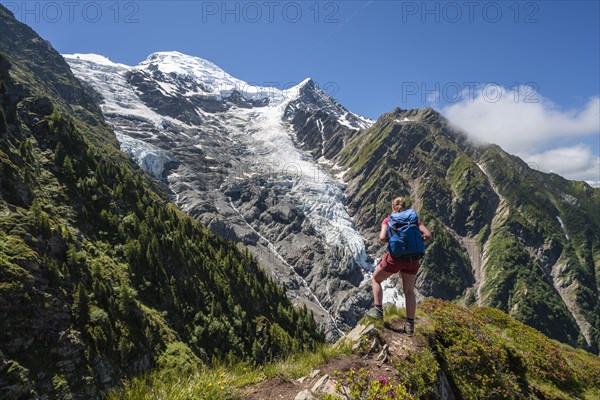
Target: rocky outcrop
<point x="376" y="353"/>
<point x="321" y="125"/>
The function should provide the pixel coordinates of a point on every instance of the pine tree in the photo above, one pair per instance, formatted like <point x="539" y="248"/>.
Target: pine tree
<point x="59" y="154"/>
<point x="35" y="212"/>
<point x="81" y="305"/>
<point x="68" y="168"/>
<point x="126" y="297"/>
<point x="3" y="124"/>
<point x="39" y="218"/>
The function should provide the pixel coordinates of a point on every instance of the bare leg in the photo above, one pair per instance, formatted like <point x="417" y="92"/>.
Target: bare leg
<point x="408" y="286"/>
<point x="378" y="276"/>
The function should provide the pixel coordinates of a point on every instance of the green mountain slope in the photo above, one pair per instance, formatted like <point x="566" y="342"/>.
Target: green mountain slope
<point x="99" y="275"/>
<point x="505" y="235"/>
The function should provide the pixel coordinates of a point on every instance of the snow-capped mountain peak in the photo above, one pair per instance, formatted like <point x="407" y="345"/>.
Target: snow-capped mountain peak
<point x="311" y="98"/>
<point x="175" y="66"/>
<point x="172" y="61"/>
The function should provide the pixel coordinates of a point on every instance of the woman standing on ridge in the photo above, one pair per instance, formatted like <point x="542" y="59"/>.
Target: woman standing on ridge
<point x="407" y="266"/>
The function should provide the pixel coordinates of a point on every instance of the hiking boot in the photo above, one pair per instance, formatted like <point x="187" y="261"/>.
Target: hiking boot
<point x="375" y="313"/>
<point x="409" y="327"/>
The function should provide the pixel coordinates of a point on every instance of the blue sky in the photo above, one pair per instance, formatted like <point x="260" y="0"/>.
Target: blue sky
<point x="375" y="55"/>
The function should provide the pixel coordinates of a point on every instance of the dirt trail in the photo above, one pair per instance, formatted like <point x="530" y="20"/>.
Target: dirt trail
<point x="322" y="379"/>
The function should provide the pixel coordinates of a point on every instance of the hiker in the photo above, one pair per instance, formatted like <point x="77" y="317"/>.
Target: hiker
<point x="407" y="265"/>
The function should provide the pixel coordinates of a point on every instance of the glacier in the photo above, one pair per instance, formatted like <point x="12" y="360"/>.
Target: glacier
<point x="150" y="158"/>
<point x="220" y="130"/>
<point x="320" y="196"/>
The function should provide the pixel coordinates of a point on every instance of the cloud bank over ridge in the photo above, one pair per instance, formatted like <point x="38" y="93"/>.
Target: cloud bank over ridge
<point x="530" y="127"/>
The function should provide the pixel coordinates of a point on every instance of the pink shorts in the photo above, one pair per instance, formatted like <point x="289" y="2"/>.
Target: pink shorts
<point x="393" y="265"/>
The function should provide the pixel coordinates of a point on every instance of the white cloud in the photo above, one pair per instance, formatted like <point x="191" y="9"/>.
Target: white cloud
<point x="527" y="125"/>
<point x="575" y="162"/>
<point x="519" y="123"/>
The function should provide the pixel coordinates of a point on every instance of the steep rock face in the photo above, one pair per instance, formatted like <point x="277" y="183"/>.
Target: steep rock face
<point x="321" y="125"/>
<point x="281" y="226"/>
<point x="333" y="136"/>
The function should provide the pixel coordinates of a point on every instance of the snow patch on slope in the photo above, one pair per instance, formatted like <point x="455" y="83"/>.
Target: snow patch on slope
<point x="563" y="227"/>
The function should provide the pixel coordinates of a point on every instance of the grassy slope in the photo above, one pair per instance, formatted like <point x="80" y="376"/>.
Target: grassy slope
<point x="488" y="354"/>
<point x="536" y="200"/>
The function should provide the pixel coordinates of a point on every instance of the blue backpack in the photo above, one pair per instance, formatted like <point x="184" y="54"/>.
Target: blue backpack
<point x="404" y="237"/>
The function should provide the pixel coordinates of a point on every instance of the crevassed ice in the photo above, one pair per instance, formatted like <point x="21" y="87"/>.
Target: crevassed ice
<point x="150" y="158"/>
<point x="391" y="293"/>
<point x="319" y="196"/>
